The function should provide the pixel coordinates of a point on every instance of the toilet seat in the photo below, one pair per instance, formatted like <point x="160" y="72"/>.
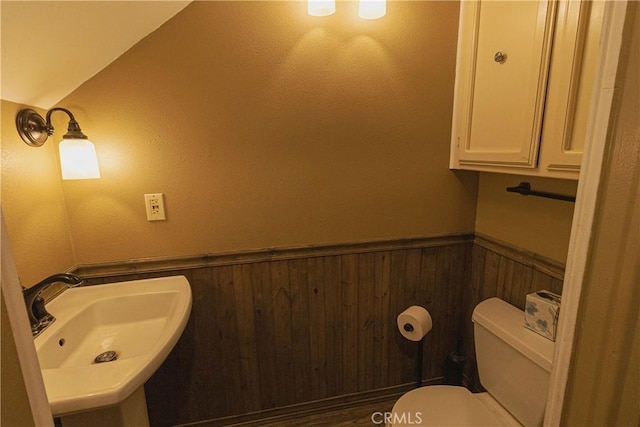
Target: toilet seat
<point x="449" y="406"/>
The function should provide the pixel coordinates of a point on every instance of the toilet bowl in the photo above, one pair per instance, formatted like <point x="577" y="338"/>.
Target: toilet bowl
<point x="444" y="405"/>
<point x="514" y="366"/>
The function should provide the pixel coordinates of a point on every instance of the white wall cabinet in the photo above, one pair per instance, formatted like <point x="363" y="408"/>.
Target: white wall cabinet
<point x="524" y="77"/>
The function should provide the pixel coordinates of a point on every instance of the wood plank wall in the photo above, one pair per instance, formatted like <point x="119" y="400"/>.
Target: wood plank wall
<point x="279" y="328"/>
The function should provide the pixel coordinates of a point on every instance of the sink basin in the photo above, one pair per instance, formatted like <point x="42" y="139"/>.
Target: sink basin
<point x="139" y="320"/>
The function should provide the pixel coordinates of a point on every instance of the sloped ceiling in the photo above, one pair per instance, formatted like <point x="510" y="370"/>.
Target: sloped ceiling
<point x="49" y="48"/>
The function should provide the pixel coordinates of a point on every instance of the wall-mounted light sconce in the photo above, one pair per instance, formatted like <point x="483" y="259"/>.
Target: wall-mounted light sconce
<point x="367" y="9"/>
<point x="372" y="9"/>
<point x="321" y="7"/>
<point x="78" y="157"/>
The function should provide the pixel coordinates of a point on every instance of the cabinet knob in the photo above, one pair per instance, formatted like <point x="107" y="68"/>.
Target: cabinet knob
<point x="500" y="57"/>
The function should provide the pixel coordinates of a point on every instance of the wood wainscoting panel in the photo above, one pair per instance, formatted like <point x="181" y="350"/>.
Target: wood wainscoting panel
<point x="275" y="331"/>
<point x="272" y="333"/>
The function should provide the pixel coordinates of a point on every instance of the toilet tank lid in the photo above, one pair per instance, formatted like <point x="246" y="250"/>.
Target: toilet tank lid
<point x="507" y="322"/>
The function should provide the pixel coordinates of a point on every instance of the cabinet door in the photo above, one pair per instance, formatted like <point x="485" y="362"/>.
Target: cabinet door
<point x="573" y="68"/>
<point x="499" y="101"/>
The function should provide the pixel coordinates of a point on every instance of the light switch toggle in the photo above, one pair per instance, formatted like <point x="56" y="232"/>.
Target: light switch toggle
<point x="155" y="207"/>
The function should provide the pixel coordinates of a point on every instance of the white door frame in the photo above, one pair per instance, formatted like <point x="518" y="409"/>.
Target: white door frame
<point x="17" y="314"/>
<point x="581" y="229"/>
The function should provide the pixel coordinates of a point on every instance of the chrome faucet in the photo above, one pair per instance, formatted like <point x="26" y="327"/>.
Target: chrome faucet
<point x="38" y="315"/>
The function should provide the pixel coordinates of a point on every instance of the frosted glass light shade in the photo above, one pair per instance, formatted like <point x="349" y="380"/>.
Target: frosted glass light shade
<point x="78" y="159"/>
<point x="372" y="9"/>
<point x="321" y="7"/>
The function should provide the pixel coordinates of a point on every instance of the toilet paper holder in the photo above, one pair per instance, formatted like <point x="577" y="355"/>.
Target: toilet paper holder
<point x="415" y="323"/>
<point x="419" y="362"/>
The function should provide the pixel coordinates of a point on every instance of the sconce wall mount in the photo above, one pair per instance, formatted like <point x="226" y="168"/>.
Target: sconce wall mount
<point x="34" y="129"/>
<point x="78" y="158"/>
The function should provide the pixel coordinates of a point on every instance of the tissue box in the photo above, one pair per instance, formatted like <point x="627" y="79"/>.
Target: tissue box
<point x="541" y="313"/>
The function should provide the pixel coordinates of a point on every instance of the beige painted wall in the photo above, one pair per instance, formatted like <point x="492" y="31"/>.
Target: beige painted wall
<point x="266" y="127"/>
<point x="298" y="130"/>
<point x="32" y="203"/>
<point x="542" y="226"/>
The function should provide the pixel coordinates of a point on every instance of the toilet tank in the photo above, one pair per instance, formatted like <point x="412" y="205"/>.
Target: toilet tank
<point x="514" y="363"/>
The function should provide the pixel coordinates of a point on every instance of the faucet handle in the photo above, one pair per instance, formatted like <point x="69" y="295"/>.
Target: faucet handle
<point x="38" y="308"/>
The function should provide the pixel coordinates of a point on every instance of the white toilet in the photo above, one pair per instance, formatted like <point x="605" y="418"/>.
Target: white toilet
<point x="513" y="364"/>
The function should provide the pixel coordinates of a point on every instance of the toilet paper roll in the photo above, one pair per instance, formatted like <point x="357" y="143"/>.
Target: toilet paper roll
<point x="414" y="323"/>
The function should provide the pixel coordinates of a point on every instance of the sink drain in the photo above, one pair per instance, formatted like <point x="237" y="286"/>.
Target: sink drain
<point x="107" y="356"/>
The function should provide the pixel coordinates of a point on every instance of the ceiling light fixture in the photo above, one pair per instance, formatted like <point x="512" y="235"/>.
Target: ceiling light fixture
<point x="78" y="158"/>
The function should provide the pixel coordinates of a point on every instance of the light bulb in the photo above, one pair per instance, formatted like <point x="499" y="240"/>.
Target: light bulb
<point x="78" y="159"/>
<point x="321" y="7"/>
<point x="372" y="9"/>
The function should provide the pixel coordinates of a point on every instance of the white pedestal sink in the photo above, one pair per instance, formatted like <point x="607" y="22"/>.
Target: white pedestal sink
<point x="139" y="320"/>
